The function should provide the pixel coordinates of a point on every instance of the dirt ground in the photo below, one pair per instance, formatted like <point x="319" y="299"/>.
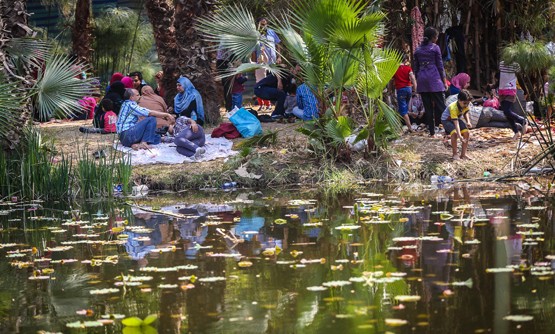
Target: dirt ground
<point x="412" y="157"/>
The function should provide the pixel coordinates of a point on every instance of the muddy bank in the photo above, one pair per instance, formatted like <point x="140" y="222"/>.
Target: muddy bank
<point x="413" y="157"/>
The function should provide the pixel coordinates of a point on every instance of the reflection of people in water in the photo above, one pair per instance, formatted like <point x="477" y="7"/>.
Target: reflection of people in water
<point x="160" y="235"/>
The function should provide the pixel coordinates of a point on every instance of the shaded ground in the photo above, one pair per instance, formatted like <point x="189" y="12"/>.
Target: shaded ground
<point x="412" y="157"/>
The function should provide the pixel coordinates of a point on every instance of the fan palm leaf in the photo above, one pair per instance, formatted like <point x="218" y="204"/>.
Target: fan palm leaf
<point x="339" y="129"/>
<point x="378" y="67"/>
<point x="57" y="90"/>
<point x="232" y="28"/>
<point x="27" y="51"/>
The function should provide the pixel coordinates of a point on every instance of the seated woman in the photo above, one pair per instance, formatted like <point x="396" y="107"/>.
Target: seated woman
<point x="459" y="82"/>
<point x="188" y="101"/>
<point x="151" y="101"/>
<point x="115" y="94"/>
<point x="189" y="137"/>
<point x="131" y="132"/>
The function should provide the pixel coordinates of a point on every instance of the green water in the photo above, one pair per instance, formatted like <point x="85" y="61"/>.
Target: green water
<point x="460" y="260"/>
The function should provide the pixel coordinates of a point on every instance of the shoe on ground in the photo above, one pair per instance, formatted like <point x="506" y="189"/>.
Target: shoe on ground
<point x="199" y="152"/>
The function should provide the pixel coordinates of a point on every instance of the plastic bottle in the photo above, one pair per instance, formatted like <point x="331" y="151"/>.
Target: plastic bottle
<point x="441" y="179"/>
<point x="194" y="115"/>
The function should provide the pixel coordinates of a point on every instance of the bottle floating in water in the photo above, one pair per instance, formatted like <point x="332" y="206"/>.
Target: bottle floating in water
<point x="441" y="179"/>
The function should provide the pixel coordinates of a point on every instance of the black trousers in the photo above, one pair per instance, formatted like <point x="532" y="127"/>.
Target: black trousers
<point x="434" y="105"/>
<point x="227" y="82"/>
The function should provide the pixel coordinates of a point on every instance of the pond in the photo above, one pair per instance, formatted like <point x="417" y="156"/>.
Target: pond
<point x="455" y="260"/>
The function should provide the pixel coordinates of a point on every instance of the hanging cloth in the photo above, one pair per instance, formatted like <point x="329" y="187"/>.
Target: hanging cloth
<point x="417" y="28"/>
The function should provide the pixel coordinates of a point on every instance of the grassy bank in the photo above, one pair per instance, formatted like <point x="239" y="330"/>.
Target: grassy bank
<point x="289" y="162"/>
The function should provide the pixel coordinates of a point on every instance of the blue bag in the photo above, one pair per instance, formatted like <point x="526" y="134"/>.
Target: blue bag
<point x="246" y="123"/>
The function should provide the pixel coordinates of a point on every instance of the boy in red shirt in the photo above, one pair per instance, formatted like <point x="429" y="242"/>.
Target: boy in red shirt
<point x="404" y="82"/>
<point x="110" y="117"/>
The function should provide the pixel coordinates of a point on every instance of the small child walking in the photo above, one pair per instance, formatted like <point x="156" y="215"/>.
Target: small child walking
<point x="455" y="126"/>
<point x="237" y="90"/>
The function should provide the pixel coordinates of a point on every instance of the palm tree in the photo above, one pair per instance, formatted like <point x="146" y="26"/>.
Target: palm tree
<point x="334" y="43"/>
<point x="81" y="36"/>
<point x="181" y="51"/>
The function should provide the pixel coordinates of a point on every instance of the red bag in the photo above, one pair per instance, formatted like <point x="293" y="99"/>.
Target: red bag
<point x="227" y="130"/>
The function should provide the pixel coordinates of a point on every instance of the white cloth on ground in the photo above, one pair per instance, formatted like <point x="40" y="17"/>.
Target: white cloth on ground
<point x="166" y="153"/>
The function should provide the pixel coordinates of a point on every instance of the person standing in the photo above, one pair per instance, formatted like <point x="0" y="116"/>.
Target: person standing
<point x="223" y="62"/>
<point x="404" y="82"/>
<point x="430" y="77"/>
<point x="507" y="97"/>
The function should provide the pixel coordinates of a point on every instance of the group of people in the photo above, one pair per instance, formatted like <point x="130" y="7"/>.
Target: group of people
<point x="421" y="94"/>
<point x="139" y="115"/>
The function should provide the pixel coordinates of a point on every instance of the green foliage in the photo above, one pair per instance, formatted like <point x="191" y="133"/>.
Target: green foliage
<point x="35" y="170"/>
<point x="57" y="89"/>
<point x="265" y="139"/>
<point x="333" y="43"/>
<point x="123" y="42"/>
<point x="531" y="57"/>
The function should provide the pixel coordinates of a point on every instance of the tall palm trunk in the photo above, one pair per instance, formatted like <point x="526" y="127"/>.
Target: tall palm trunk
<point x="82" y="32"/>
<point x="161" y="15"/>
<point x="181" y="50"/>
<point x="193" y="60"/>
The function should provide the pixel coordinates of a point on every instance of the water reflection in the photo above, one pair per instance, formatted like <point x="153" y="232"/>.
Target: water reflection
<point x="468" y="261"/>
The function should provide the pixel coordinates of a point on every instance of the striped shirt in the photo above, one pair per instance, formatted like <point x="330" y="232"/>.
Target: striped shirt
<point x="307" y="102"/>
<point x="129" y="115"/>
<point x="507" y="79"/>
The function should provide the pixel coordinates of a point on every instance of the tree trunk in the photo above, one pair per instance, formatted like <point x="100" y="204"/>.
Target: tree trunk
<point x="193" y="61"/>
<point x="81" y="32"/>
<point x="161" y="16"/>
<point x="182" y="52"/>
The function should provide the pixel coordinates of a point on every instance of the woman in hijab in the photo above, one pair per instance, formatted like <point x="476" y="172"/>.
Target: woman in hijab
<point x="188" y="101"/>
<point x="115" y="77"/>
<point x="115" y="94"/>
<point x="459" y="82"/>
<point x="127" y="82"/>
<point x="151" y="101"/>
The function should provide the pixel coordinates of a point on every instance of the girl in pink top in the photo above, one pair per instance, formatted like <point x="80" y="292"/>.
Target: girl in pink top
<point x="491" y="98"/>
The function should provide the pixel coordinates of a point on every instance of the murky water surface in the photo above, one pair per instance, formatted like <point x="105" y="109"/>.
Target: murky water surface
<point x="459" y="260"/>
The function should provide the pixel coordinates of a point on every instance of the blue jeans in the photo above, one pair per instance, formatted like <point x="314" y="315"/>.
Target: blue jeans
<point x="142" y="131"/>
<point x="403" y="98"/>
<point x="273" y="94"/>
<point x="237" y="100"/>
<point x="188" y="141"/>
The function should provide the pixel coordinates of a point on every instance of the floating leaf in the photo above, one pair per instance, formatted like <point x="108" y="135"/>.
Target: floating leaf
<point x="132" y="322"/>
<point x="404" y="298"/>
<point x="280" y="221"/>
<point x="518" y="318"/>
<point x="150" y="319"/>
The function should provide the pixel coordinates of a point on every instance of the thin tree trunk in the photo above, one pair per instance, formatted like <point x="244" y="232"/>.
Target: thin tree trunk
<point x="81" y="32"/>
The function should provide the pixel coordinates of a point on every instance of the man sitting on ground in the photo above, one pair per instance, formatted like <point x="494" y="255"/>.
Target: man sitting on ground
<point x="131" y="132"/>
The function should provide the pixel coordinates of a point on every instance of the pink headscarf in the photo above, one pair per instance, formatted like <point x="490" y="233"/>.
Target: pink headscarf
<point x="116" y="77"/>
<point x="460" y="80"/>
<point x="127" y="82"/>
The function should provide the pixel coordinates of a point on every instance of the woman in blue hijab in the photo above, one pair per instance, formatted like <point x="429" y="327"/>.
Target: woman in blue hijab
<point x="188" y="100"/>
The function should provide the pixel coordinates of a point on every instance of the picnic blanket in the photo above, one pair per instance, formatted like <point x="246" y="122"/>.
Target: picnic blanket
<point x="166" y="153"/>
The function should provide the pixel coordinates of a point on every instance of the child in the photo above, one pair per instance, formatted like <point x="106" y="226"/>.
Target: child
<point x="491" y="98"/>
<point x="404" y="82"/>
<point x="416" y="111"/>
<point x="110" y="118"/>
<point x="455" y="126"/>
<point x="291" y="100"/>
<point x="237" y="90"/>
<point x="104" y="120"/>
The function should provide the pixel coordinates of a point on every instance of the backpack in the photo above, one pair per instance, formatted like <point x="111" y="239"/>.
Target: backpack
<point x="98" y="118"/>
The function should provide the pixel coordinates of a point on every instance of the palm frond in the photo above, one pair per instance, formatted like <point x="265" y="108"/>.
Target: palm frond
<point x="355" y="33"/>
<point x="390" y="116"/>
<point x="379" y="66"/>
<point x="530" y="56"/>
<point x="339" y="129"/>
<point x="57" y="90"/>
<point x="265" y="139"/>
<point x="231" y="28"/>
<point x="26" y="50"/>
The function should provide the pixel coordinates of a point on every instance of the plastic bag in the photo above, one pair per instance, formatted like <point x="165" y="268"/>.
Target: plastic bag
<point x="246" y="123"/>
